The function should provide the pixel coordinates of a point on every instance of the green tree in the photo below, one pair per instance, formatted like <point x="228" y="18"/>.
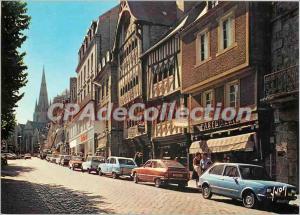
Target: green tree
<point x="14" y="20"/>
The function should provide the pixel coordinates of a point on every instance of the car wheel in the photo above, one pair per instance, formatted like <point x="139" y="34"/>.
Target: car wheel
<point x="249" y="200"/>
<point x="157" y="182"/>
<point x="181" y="185"/>
<point x="114" y="175"/>
<point x="136" y="178"/>
<point x="99" y="172"/>
<point x="206" y="192"/>
<point x="89" y="171"/>
<point x="73" y="168"/>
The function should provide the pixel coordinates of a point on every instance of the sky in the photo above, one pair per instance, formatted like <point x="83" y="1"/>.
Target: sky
<point x="55" y="34"/>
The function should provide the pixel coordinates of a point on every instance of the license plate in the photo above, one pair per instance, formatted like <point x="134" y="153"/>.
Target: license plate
<point x="284" y="201"/>
<point x="177" y="175"/>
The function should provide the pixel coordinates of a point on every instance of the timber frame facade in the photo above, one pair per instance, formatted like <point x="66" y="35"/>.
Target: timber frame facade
<point x="134" y="35"/>
<point x="162" y="64"/>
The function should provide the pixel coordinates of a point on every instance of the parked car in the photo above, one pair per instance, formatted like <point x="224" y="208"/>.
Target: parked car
<point x="246" y="182"/>
<point x="27" y="156"/>
<point x="10" y="156"/>
<point x="162" y="172"/>
<point x="44" y="153"/>
<point x="76" y="162"/>
<point x="91" y="163"/>
<point x="64" y="160"/>
<point x="49" y="157"/>
<point x="57" y="159"/>
<point x="3" y="160"/>
<point x="117" y="166"/>
<point x="54" y="158"/>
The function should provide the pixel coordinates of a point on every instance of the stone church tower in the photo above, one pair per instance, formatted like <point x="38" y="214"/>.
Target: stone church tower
<point x="41" y="107"/>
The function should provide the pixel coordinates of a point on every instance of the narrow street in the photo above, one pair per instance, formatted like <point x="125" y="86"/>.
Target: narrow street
<point x="36" y="186"/>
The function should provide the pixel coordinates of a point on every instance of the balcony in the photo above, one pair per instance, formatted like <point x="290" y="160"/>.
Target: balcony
<point x="282" y="83"/>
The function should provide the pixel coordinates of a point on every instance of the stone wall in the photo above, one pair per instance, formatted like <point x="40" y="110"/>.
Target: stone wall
<point x="285" y="34"/>
<point x="284" y="54"/>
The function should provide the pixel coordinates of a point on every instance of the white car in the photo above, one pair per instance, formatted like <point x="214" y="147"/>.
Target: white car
<point x="117" y="166"/>
<point x="91" y="163"/>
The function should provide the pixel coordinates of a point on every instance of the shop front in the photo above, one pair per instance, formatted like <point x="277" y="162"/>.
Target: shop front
<point x="231" y="141"/>
<point x="83" y="144"/>
<point x="238" y="148"/>
<point x="172" y="146"/>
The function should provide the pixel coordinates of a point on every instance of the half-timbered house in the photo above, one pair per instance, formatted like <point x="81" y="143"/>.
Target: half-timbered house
<point x="141" y="24"/>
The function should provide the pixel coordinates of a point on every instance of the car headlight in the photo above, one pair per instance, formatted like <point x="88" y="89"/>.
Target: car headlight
<point x="293" y="191"/>
<point x="268" y="190"/>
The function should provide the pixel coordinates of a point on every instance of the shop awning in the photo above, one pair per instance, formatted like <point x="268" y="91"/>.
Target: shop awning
<point x="198" y="146"/>
<point x="243" y="142"/>
<point x="73" y="143"/>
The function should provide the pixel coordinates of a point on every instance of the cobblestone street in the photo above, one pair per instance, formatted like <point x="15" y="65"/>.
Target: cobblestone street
<point x="36" y="186"/>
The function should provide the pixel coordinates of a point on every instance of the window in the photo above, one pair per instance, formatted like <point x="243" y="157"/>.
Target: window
<point x="126" y="161"/>
<point x="112" y="161"/>
<point x="217" y="170"/>
<point x="147" y="164"/>
<point x="226" y="31"/>
<point x="156" y="164"/>
<point x="233" y="94"/>
<point x="203" y="46"/>
<point x="208" y="98"/>
<point x="231" y="171"/>
<point x="219" y="95"/>
<point x="254" y="173"/>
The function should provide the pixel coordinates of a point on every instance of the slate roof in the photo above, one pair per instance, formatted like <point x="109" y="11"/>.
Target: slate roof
<point x="156" y="12"/>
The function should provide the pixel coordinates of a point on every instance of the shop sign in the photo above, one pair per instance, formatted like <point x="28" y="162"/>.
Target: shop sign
<point x="216" y="124"/>
<point x="83" y="137"/>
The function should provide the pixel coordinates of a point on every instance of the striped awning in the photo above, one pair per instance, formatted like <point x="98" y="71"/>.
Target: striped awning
<point x="243" y="142"/>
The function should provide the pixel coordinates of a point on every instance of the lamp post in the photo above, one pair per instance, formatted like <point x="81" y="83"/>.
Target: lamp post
<point x="19" y="140"/>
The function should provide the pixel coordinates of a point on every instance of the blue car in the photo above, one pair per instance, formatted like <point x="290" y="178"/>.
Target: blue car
<point x="246" y="182"/>
<point x="117" y="166"/>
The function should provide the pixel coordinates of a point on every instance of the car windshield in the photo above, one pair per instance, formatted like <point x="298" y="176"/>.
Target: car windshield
<point x="67" y="157"/>
<point x="97" y="159"/>
<point x="126" y="161"/>
<point x="254" y="173"/>
<point x="77" y="158"/>
<point x="172" y="163"/>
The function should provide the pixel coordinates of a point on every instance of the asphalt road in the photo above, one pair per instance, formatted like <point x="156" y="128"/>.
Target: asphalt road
<point x="36" y="186"/>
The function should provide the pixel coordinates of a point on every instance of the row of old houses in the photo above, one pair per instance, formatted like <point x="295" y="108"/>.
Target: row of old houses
<point x="192" y="54"/>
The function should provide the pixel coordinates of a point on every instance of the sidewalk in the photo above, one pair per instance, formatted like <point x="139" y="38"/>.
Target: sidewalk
<point x="192" y="184"/>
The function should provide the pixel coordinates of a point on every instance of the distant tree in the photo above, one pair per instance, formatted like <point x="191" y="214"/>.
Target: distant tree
<point x="14" y="20"/>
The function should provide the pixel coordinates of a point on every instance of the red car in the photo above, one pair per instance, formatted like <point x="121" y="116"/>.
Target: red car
<point x="76" y="162"/>
<point x="162" y="172"/>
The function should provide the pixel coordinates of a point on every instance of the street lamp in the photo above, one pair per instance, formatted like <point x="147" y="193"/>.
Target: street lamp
<point x="19" y="138"/>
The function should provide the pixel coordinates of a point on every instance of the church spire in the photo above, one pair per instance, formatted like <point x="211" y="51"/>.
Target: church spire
<point x="43" y="98"/>
<point x="41" y="109"/>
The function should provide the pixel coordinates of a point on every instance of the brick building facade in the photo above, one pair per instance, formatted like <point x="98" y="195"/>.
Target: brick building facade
<point x="223" y="50"/>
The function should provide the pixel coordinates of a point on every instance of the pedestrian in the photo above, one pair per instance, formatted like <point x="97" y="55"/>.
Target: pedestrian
<point x="205" y="162"/>
<point x="196" y="166"/>
<point x="138" y="158"/>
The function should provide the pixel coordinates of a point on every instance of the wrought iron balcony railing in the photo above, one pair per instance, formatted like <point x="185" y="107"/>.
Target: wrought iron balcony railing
<point x="282" y="82"/>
